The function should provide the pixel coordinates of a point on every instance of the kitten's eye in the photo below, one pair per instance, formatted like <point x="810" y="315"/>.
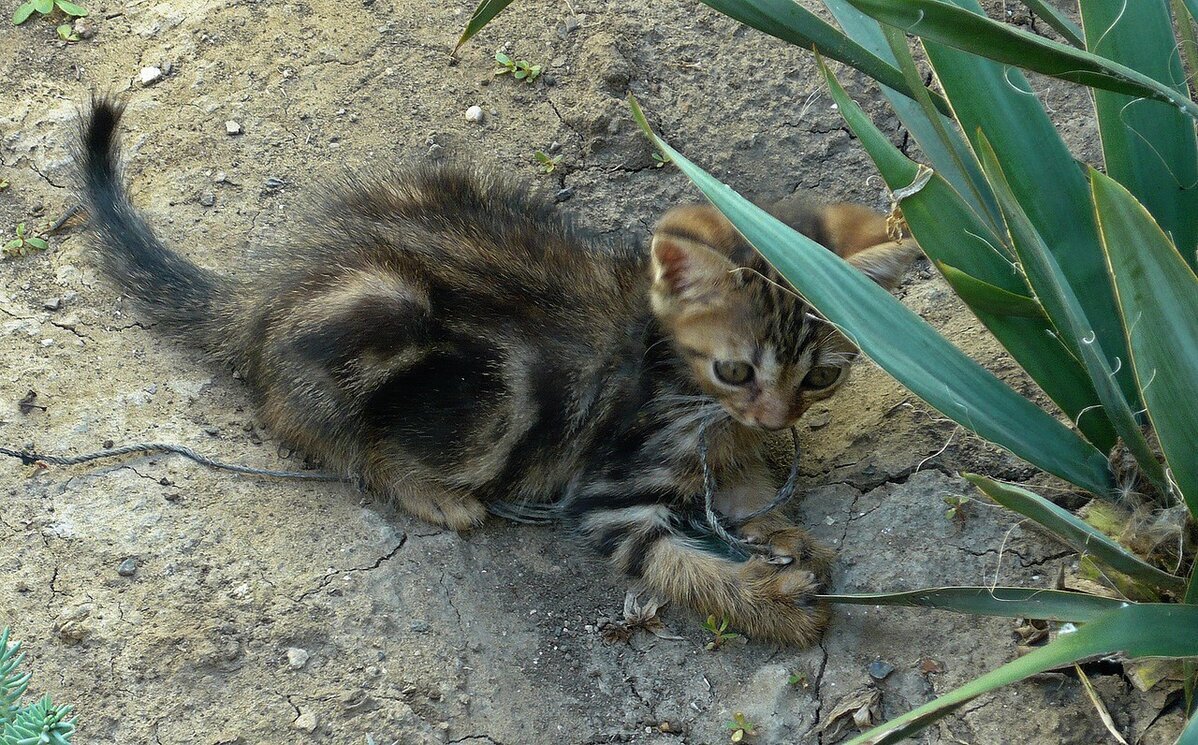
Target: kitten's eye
<point x="733" y="373"/>
<point x="821" y="377"/>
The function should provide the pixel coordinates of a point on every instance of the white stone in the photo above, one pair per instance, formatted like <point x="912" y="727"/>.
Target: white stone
<point x="297" y="658"/>
<point x="233" y="128"/>
<point x="149" y="75"/>
<point x="474" y="114"/>
<point x="306" y="721"/>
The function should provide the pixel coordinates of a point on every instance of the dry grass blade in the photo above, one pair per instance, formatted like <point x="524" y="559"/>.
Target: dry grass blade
<point x="1100" y="707"/>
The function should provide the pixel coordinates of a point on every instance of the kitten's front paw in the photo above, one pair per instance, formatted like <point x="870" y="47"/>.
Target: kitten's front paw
<point x="780" y="602"/>
<point x="789" y="545"/>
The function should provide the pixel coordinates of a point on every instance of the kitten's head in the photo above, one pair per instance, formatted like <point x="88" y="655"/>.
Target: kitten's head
<point x="750" y="341"/>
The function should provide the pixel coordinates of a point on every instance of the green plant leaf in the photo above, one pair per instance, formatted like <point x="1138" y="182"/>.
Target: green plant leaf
<point x="1058" y="20"/>
<point x="1074" y="531"/>
<point x="22" y="13"/>
<point x="950" y="233"/>
<point x="482" y="15"/>
<point x="990" y="298"/>
<point x="71" y="9"/>
<point x="14" y="243"/>
<point x="1189" y="735"/>
<point x="43" y="6"/>
<point x="941" y="142"/>
<point x="955" y="26"/>
<point x="1158" y="297"/>
<point x="1051" y="188"/>
<point x="1064" y="307"/>
<point x="1005" y="602"/>
<point x="1192" y="6"/>
<point x="37" y="243"/>
<point x="901" y="342"/>
<point x="792" y="23"/>
<point x="1148" y="146"/>
<point x="1135" y="631"/>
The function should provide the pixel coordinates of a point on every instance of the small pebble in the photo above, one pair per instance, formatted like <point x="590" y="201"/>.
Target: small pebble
<point x="435" y="151"/>
<point x="274" y="182"/>
<point x="564" y="194"/>
<point x="47" y="342"/>
<point x="879" y="669"/>
<point x="474" y="114"/>
<point x="297" y="658"/>
<point x="207" y="199"/>
<point x="549" y="80"/>
<point x="220" y="177"/>
<point x="149" y="75"/>
<point x="420" y="627"/>
<point x="555" y="146"/>
<point x="84" y="28"/>
<point x="233" y="128"/>
<point x="53" y="303"/>
<point x="127" y="568"/>
<point x="306" y="721"/>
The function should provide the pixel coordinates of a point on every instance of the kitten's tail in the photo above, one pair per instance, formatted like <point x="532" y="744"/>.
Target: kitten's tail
<point x="188" y="299"/>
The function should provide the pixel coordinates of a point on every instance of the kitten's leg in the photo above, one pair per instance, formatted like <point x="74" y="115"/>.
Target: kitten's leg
<point x="752" y="489"/>
<point x="761" y="598"/>
<point x="423" y="498"/>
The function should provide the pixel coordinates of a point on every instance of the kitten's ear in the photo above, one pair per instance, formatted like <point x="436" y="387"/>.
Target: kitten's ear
<point x="684" y="269"/>
<point x="886" y="263"/>
<point x="859" y="236"/>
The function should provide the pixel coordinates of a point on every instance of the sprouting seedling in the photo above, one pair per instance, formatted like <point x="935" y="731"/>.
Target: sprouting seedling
<point x="45" y="8"/>
<point x="799" y="680"/>
<point x="3" y="184"/>
<point x="956" y="507"/>
<point x="661" y="159"/>
<point x="719" y="632"/>
<point x="548" y="163"/>
<point x="520" y="69"/>
<point x="740" y="727"/>
<point x="66" y="32"/>
<point x="24" y="243"/>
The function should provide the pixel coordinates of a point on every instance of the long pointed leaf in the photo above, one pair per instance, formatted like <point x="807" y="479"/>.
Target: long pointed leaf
<point x="1158" y="296"/>
<point x="1148" y="146"/>
<point x="1004" y="602"/>
<point x="950" y="233"/>
<point x="962" y="29"/>
<point x="901" y="342"/>
<point x="1076" y="532"/>
<point x="983" y="296"/>
<point x="997" y="100"/>
<point x="1058" y="20"/>
<point x="1189" y="736"/>
<point x="1146" y="630"/>
<point x="792" y="23"/>
<point x="941" y="142"/>
<point x="1060" y="300"/>
<point x="482" y="15"/>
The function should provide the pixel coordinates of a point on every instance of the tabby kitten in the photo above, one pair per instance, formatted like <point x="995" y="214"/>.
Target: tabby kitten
<point x="453" y="343"/>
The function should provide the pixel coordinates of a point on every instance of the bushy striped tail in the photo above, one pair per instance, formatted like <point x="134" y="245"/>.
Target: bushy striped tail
<point x="170" y="289"/>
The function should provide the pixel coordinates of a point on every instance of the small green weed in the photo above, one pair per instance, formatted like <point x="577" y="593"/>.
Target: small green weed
<point x="66" y="32"/>
<point x="40" y="722"/>
<point x="24" y="243"/>
<point x="660" y="160"/>
<point x="740" y="727"/>
<point x="956" y="507"/>
<point x="548" y="164"/>
<point x="799" y="680"/>
<point x="520" y="69"/>
<point x="3" y="184"/>
<point x="45" y="8"/>
<point x="719" y="632"/>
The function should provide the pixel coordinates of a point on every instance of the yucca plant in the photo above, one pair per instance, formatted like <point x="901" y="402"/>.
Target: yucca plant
<point x="39" y="723"/>
<point x="1085" y="277"/>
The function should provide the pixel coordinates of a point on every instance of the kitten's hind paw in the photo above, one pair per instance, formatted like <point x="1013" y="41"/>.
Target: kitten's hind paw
<point x="447" y="510"/>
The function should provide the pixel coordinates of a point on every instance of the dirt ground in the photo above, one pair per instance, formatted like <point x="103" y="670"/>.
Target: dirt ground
<point x="175" y="604"/>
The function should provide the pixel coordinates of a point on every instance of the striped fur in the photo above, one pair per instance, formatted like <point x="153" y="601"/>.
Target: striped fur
<point x="451" y="341"/>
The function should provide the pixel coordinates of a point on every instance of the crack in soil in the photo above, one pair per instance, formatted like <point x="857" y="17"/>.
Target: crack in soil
<point x="324" y="582"/>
